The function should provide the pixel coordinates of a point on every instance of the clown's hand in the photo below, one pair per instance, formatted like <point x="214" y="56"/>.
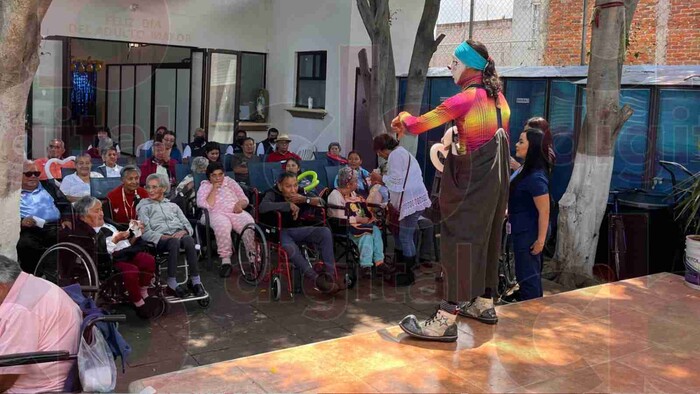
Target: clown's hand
<point x="398" y="127"/>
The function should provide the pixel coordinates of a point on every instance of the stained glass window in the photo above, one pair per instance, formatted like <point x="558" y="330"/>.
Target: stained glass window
<point x="83" y="94"/>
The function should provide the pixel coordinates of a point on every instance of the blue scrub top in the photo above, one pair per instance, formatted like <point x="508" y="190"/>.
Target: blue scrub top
<point x="522" y="212"/>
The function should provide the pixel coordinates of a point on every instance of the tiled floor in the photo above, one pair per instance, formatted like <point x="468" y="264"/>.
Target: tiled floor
<point x="640" y="335"/>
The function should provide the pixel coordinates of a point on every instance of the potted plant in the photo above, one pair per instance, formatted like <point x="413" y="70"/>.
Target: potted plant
<point x="688" y="213"/>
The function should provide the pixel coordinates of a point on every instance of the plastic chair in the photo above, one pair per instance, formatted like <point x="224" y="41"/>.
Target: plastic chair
<point x="181" y="171"/>
<point x="331" y="174"/>
<point x="260" y="175"/>
<point x="99" y="187"/>
<point x="67" y="171"/>
<point x="320" y="155"/>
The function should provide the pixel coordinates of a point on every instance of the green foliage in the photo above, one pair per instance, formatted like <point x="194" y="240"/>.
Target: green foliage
<point x="688" y="209"/>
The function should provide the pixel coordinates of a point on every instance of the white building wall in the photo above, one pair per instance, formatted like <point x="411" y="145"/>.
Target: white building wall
<point x="280" y="28"/>
<point x="231" y="24"/>
<point x="334" y="26"/>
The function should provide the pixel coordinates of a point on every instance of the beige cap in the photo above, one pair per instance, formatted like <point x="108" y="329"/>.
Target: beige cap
<point x="283" y="137"/>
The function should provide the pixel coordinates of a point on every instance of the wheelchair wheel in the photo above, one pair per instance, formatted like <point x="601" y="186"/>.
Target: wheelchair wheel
<point x="253" y="263"/>
<point x="506" y="268"/>
<point x="162" y="308"/>
<point x="204" y="302"/>
<point x="349" y="281"/>
<point x="67" y="263"/>
<point x="276" y="288"/>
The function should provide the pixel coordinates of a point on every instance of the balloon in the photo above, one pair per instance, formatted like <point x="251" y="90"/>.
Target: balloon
<point x="314" y="179"/>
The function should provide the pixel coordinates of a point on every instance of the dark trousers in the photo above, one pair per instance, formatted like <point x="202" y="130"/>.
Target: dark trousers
<point x="137" y="273"/>
<point x="172" y="246"/>
<point x="528" y="270"/>
<point x="32" y="243"/>
<point x="318" y="236"/>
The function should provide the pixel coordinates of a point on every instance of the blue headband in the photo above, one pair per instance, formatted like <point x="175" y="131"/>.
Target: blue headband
<point x="469" y="57"/>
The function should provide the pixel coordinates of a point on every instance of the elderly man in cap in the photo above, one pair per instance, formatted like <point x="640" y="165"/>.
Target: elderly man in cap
<point x="282" y="154"/>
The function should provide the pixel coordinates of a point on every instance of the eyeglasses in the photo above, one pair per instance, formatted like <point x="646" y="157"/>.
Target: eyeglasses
<point x="30" y="174"/>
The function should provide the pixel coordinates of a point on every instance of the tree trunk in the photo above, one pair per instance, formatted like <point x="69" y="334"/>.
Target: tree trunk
<point x="19" y="43"/>
<point x="382" y="93"/>
<point x="582" y="207"/>
<point x="423" y="49"/>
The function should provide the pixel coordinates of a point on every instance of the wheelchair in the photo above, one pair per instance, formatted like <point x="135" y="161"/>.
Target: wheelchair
<point x="342" y="237"/>
<point x="252" y="263"/>
<point x="272" y="228"/>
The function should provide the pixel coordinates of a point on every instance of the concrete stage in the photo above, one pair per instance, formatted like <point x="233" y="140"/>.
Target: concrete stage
<point x="640" y="335"/>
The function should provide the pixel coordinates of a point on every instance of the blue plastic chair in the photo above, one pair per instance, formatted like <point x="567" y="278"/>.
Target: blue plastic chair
<point x="331" y="174"/>
<point x="320" y="156"/>
<point x="260" y="175"/>
<point x="67" y="171"/>
<point x="99" y="187"/>
<point x="181" y="171"/>
<point x="198" y="178"/>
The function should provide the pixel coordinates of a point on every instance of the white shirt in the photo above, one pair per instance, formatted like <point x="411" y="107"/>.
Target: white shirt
<point x="261" y="149"/>
<point x="187" y="152"/>
<point x="111" y="246"/>
<point x="415" y="196"/>
<point x="112" y="172"/>
<point x="73" y="186"/>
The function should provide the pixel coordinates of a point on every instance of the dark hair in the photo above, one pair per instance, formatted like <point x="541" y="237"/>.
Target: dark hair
<point x="160" y="128"/>
<point x="248" y="139"/>
<point x="385" y="141"/>
<point x="491" y="82"/>
<point x="159" y="138"/>
<point x="272" y="130"/>
<point x="213" y="166"/>
<point x="242" y="131"/>
<point x="536" y="157"/>
<point x="354" y="152"/>
<point x="281" y="177"/>
<point x="210" y="146"/>
<point x="541" y="123"/>
<point x="294" y="160"/>
<point x="96" y="140"/>
<point x="332" y="144"/>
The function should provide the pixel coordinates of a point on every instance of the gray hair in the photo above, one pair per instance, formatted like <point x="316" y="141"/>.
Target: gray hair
<point x="129" y="168"/>
<point x="106" y="145"/>
<point x="199" y="165"/>
<point x="82" y="206"/>
<point x="345" y="176"/>
<point x="9" y="270"/>
<point x="163" y="181"/>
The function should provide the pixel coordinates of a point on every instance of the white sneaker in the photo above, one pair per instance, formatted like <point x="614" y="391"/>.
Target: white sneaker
<point x="441" y="326"/>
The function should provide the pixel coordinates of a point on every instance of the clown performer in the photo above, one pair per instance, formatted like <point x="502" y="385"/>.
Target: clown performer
<point x="474" y="191"/>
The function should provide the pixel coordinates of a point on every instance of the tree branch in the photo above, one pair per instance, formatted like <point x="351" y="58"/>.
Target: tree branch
<point x="382" y="12"/>
<point x="366" y="15"/>
<point x="438" y="40"/>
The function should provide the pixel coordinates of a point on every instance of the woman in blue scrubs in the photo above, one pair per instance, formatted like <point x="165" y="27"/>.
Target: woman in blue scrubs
<point x="528" y="211"/>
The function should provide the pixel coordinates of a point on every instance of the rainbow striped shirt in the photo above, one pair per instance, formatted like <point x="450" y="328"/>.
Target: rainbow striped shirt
<point x="474" y="114"/>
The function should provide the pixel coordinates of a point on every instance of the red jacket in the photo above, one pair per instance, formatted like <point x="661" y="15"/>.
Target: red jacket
<point x="150" y="167"/>
<point x="278" y="157"/>
<point x="122" y="212"/>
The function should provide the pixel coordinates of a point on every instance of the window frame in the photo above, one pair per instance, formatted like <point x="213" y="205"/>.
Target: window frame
<point x="317" y="74"/>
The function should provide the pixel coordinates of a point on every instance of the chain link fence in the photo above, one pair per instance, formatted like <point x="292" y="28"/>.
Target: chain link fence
<point x="514" y="31"/>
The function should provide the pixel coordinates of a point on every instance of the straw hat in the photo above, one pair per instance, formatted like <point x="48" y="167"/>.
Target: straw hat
<point x="283" y="137"/>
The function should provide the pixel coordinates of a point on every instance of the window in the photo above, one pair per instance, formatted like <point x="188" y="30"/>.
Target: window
<point x="311" y="79"/>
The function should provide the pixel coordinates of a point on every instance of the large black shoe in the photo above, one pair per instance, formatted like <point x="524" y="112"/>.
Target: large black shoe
<point x="179" y="292"/>
<point x="197" y="290"/>
<point x="326" y="284"/>
<point x="145" y="311"/>
<point x="225" y="270"/>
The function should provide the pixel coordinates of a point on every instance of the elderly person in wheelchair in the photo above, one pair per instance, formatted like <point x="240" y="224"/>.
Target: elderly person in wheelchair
<point x="167" y="227"/>
<point x="293" y="206"/>
<point x="352" y="210"/>
<point x="226" y="202"/>
<point x="124" y="249"/>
